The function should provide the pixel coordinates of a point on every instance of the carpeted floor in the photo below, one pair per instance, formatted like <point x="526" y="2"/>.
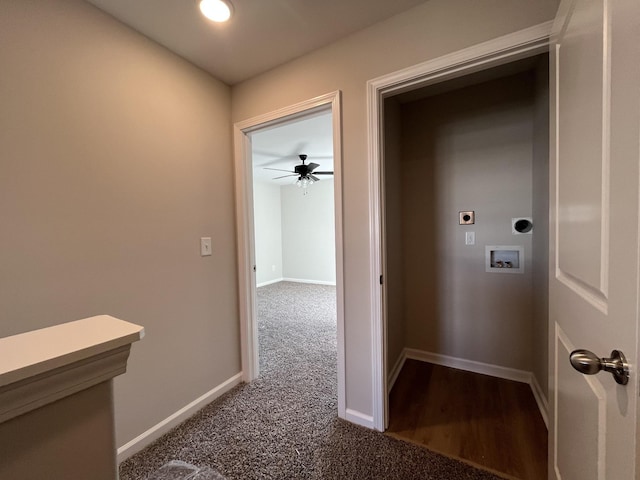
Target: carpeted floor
<point x="284" y="425"/>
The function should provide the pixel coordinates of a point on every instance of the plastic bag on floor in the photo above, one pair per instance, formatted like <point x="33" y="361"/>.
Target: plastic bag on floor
<point x="207" y="473"/>
<point x="177" y="470"/>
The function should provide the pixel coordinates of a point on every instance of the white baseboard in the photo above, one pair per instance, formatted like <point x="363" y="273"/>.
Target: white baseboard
<point x="359" y="418"/>
<point x="395" y="371"/>
<point x="541" y="400"/>
<point x="302" y="280"/>
<point x="155" y="432"/>
<point x="469" y="365"/>
<point x="269" y="282"/>
<point x="479" y="367"/>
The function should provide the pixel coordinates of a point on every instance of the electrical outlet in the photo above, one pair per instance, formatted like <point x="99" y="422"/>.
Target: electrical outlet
<point x="205" y="246"/>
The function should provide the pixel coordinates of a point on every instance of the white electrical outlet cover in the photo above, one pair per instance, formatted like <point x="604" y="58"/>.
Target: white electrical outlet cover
<point x="470" y="238"/>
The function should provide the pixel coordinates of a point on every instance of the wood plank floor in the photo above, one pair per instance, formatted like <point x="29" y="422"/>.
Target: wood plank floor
<point x="487" y="421"/>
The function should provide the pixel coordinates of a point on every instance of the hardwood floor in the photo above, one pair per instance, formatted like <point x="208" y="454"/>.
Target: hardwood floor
<point x="490" y="422"/>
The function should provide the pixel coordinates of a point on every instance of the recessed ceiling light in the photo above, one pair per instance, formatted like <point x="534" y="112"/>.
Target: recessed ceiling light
<point x="216" y="10"/>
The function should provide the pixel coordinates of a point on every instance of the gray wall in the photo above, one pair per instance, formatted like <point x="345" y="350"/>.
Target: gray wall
<point x="308" y="232"/>
<point x="541" y="226"/>
<point x="430" y="30"/>
<point x="115" y="160"/>
<point x="295" y="232"/>
<point x="393" y="248"/>
<point x="71" y="438"/>
<point x="469" y="149"/>
<point x="267" y="220"/>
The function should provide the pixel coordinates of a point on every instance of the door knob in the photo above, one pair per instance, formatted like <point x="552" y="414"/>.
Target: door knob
<point x="588" y="363"/>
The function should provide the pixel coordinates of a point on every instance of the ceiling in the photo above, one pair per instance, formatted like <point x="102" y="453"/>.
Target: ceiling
<point x="279" y="146"/>
<point x="261" y="34"/>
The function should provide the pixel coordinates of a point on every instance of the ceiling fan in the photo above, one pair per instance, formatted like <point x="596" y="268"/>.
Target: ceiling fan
<point x="306" y="173"/>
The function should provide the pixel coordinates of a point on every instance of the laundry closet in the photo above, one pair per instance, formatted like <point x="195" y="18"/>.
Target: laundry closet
<point x="466" y="285"/>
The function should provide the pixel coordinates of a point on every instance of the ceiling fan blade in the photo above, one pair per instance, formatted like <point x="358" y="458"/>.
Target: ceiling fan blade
<point x="278" y="169"/>
<point x="323" y="173"/>
<point x="311" y="166"/>
<point x="285" y="176"/>
<point x="281" y="160"/>
<point x="314" y="178"/>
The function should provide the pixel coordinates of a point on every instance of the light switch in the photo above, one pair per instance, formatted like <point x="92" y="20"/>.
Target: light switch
<point x="470" y="238"/>
<point x="205" y="246"/>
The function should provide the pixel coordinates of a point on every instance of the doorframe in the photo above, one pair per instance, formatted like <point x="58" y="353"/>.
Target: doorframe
<point x="245" y="228"/>
<point x="508" y="48"/>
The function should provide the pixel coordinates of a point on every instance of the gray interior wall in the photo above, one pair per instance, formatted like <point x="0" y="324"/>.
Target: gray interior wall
<point x="393" y="249"/>
<point x="541" y="226"/>
<point x="267" y="219"/>
<point x="469" y="149"/>
<point x="294" y="232"/>
<point x="71" y="438"/>
<point x="433" y="29"/>
<point x="115" y="160"/>
<point x="308" y="232"/>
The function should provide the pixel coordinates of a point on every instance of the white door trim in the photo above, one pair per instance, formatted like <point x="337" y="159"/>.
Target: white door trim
<point x="245" y="233"/>
<point x="508" y="48"/>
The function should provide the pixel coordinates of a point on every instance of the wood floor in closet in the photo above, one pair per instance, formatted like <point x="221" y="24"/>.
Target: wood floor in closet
<point x="486" y="421"/>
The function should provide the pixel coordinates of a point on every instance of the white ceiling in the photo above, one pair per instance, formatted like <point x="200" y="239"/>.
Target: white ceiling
<point x="279" y="147"/>
<point x="261" y="35"/>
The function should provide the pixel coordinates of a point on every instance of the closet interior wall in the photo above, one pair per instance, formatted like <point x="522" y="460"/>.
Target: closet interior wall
<point x="480" y="146"/>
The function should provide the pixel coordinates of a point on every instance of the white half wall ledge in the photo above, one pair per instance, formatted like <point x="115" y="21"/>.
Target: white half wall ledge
<point x="42" y="366"/>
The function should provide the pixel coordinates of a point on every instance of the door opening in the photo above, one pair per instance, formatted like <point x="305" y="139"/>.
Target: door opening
<point x="502" y="50"/>
<point x="294" y="238"/>
<point x="464" y="289"/>
<point x="272" y="240"/>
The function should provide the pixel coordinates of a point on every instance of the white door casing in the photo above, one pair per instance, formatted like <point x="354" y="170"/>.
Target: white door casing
<point x="524" y="43"/>
<point x="593" y="277"/>
<point x="245" y="229"/>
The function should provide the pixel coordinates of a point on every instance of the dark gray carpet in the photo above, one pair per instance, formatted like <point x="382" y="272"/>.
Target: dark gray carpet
<point x="284" y="425"/>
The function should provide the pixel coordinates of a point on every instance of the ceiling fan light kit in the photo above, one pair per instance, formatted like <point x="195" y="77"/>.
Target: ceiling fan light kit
<point x="216" y="10"/>
<point x="304" y="182"/>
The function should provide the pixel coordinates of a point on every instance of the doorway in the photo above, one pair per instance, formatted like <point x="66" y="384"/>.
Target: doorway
<point x="466" y="165"/>
<point x="294" y="228"/>
<point x="502" y="50"/>
<point x="329" y="106"/>
<point x="293" y="201"/>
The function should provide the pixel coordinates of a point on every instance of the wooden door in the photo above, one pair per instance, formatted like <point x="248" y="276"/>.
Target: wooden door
<point x="595" y="133"/>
